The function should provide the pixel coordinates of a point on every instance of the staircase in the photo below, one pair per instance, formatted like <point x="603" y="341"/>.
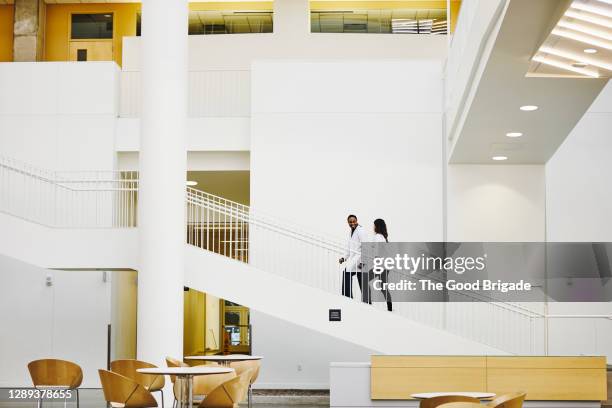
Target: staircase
<point x="254" y="259"/>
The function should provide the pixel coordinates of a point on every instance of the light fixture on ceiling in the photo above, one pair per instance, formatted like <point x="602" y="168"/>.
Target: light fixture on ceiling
<point x="589" y="18"/>
<point x="191" y="183"/>
<point x="499" y="158"/>
<point x="585" y="30"/>
<point x="107" y="15"/>
<point x="528" y="108"/>
<point x="590" y="51"/>
<point x="582" y="38"/>
<point x="567" y="67"/>
<point x="579" y="58"/>
<point x="514" y="134"/>
<point x="592" y="9"/>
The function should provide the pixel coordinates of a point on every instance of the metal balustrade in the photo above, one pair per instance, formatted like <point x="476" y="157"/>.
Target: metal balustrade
<point x="70" y="199"/>
<point x="108" y="199"/>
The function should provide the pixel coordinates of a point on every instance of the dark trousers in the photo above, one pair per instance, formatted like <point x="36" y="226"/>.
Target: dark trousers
<point x="362" y="278"/>
<point x="384" y="278"/>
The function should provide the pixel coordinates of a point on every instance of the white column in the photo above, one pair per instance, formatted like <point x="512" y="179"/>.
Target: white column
<point x="161" y="206"/>
<point x="291" y="18"/>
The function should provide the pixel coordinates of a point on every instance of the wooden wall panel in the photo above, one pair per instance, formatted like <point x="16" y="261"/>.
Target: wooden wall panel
<point x="542" y="378"/>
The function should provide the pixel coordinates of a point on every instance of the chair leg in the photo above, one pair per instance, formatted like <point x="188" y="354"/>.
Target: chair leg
<point x="39" y="402"/>
<point x="162" y="397"/>
<point x="78" y="402"/>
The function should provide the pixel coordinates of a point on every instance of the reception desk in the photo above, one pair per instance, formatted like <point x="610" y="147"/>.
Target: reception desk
<point x="542" y="378"/>
<point x="388" y="381"/>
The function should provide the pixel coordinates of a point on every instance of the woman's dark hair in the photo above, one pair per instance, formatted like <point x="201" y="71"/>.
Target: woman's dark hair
<point x="380" y="227"/>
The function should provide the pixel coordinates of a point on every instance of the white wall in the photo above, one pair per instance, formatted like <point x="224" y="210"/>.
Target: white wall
<point x="67" y="320"/>
<point x="496" y="203"/>
<point x="59" y="115"/>
<point x="578" y="204"/>
<point x="301" y="359"/>
<point x="333" y="138"/>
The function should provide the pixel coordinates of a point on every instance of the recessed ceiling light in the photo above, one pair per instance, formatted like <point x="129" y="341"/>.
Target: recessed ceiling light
<point x="514" y="134"/>
<point x="579" y="64"/>
<point x="191" y="183"/>
<point x="590" y="51"/>
<point x="529" y="108"/>
<point x="499" y="158"/>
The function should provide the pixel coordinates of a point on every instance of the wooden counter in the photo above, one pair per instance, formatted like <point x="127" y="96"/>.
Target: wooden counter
<point x="542" y="378"/>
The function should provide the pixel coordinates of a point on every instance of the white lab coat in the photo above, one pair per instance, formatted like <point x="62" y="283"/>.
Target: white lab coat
<point x="353" y="249"/>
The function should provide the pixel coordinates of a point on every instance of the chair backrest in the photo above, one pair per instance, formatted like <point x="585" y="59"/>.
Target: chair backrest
<point x="513" y="400"/>
<point x="205" y="384"/>
<point x="55" y="372"/>
<point x="127" y="368"/>
<point x="445" y="399"/>
<point x="462" y="405"/>
<point x="229" y="393"/>
<point x="242" y="366"/>
<point x="173" y="362"/>
<point x="119" y="389"/>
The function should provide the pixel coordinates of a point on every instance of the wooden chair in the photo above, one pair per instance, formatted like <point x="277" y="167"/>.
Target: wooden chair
<point x="513" y="400"/>
<point x="230" y="393"/>
<point x="242" y="366"/>
<point x="123" y="392"/>
<point x="55" y="374"/>
<point x="462" y="405"/>
<point x="152" y="383"/>
<point x="173" y="362"/>
<point x="445" y="399"/>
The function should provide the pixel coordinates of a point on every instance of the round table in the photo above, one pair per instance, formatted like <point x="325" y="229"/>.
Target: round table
<point x="224" y="360"/>
<point x="185" y="374"/>
<point x="477" y="395"/>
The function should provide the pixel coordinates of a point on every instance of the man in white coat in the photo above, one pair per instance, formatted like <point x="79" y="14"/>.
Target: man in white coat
<point x="353" y="265"/>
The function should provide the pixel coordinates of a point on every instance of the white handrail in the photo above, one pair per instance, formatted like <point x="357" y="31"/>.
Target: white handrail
<point x="100" y="199"/>
<point x="108" y="199"/>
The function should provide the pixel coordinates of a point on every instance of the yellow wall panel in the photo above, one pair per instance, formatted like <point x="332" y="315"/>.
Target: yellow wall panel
<point x="57" y="28"/>
<point x="401" y="382"/>
<point x="6" y="32"/>
<point x="550" y="384"/>
<point x="546" y="362"/>
<point x="541" y="377"/>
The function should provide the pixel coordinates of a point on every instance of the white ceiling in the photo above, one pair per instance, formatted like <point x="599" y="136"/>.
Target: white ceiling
<point x="504" y="87"/>
<point x="585" y="25"/>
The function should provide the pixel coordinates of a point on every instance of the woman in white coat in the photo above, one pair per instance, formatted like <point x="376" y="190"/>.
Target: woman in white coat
<point x="381" y="235"/>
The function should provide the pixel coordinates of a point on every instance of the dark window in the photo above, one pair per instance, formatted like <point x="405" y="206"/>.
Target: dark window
<point x="82" y="55"/>
<point x="229" y="22"/>
<point x="381" y="21"/>
<point x="91" y="26"/>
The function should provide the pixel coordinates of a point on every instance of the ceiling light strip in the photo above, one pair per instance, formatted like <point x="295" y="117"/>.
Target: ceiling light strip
<point x="582" y="38"/>
<point x="588" y="18"/>
<point x="576" y="57"/>
<point x="602" y="11"/>
<point x="585" y="30"/>
<point x="562" y="65"/>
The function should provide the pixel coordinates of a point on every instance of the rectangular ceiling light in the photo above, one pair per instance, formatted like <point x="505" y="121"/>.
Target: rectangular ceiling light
<point x="582" y="38"/>
<point x="563" y="65"/>
<point x="602" y="11"/>
<point x="589" y="18"/>
<point x="578" y="58"/>
<point x="585" y="30"/>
